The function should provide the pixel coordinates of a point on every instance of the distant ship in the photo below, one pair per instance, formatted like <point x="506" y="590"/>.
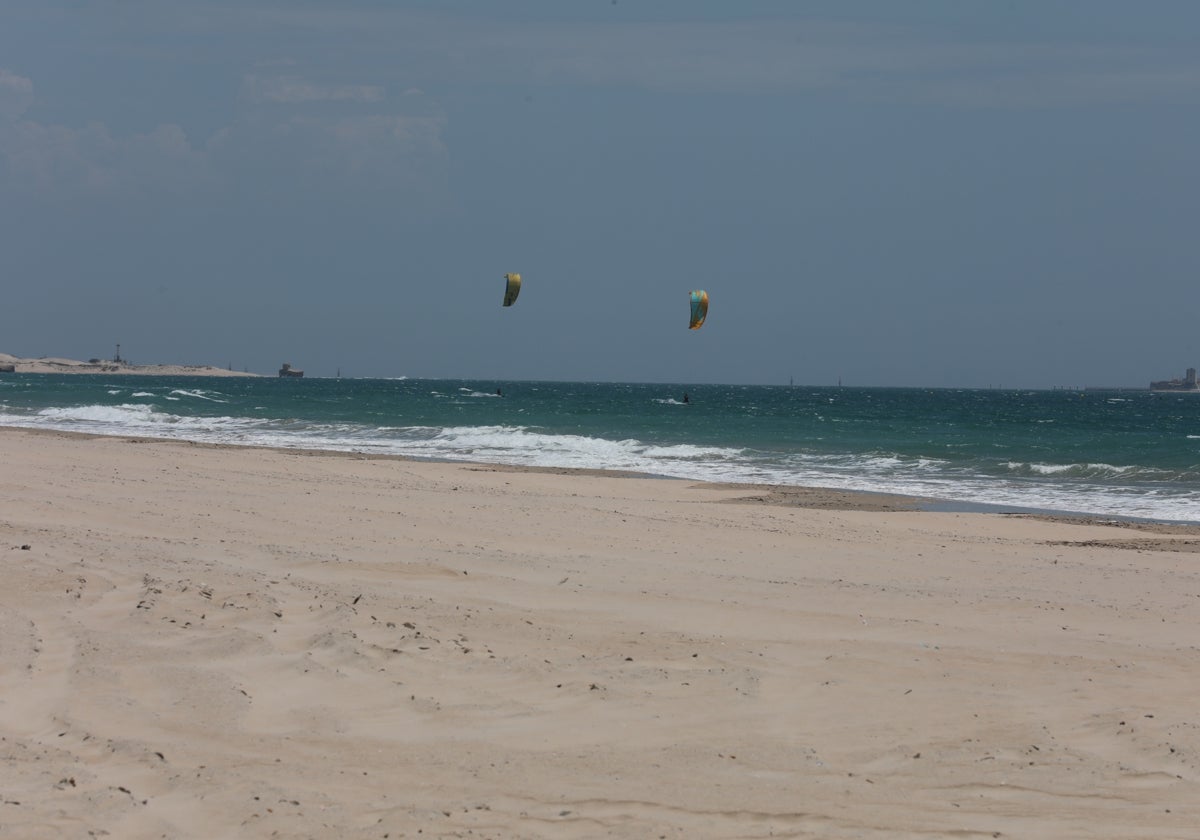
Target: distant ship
<point x="1188" y="383"/>
<point x="288" y="370"/>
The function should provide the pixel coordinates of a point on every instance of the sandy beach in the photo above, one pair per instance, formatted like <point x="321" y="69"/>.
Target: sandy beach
<point x="16" y="364"/>
<point x="203" y="641"/>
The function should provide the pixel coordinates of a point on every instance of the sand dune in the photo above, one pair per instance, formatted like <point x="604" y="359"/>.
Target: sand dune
<point x="15" y="364"/>
<point x="220" y="642"/>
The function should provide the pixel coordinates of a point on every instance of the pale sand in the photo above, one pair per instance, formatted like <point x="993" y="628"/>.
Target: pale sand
<point x="16" y="364"/>
<point x="210" y="642"/>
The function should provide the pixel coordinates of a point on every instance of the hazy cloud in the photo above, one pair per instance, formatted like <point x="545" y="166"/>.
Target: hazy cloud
<point x="367" y="150"/>
<point x="364" y="151"/>
<point x="55" y="160"/>
<point x="16" y="94"/>
<point x="904" y="63"/>
<point x="292" y="89"/>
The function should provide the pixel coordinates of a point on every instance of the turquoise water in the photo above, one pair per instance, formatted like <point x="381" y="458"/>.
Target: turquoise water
<point x="1126" y="453"/>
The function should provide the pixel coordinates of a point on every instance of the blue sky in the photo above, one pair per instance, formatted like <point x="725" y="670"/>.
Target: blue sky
<point x="955" y="193"/>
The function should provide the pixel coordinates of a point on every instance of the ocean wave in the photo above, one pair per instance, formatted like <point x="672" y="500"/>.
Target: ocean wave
<point x="530" y="447"/>
<point x="136" y="418"/>
<point x="1086" y="470"/>
<point x="126" y="414"/>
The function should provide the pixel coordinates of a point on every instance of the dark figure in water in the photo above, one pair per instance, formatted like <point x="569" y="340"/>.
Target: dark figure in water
<point x="499" y="393"/>
<point x="685" y="397"/>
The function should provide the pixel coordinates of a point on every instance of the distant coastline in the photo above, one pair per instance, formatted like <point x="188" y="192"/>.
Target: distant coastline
<point x="15" y="364"/>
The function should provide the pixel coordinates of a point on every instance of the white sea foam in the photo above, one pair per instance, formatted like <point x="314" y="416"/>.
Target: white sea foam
<point x="199" y="394"/>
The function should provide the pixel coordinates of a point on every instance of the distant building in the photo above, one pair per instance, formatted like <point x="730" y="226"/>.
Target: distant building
<point x="288" y="370"/>
<point x="1188" y="383"/>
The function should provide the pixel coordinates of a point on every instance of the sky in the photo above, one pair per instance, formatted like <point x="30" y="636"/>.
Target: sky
<point x="939" y="193"/>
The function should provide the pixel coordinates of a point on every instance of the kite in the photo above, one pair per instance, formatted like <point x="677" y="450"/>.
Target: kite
<point x="699" y="309"/>
<point x="512" y="288"/>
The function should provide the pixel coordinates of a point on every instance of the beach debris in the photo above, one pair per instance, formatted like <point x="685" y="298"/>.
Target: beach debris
<point x="26" y="547"/>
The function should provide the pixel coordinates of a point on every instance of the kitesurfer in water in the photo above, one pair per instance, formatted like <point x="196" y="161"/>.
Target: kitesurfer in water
<point x="499" y="393"/>
<point x="685" y="398"/>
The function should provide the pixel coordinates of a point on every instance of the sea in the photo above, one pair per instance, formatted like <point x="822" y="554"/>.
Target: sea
<point x="1122" y="454"/>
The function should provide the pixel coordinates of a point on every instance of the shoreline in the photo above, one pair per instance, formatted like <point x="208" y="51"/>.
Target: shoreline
<point x="786" y="495"/>
<point x="212" y="640"/>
